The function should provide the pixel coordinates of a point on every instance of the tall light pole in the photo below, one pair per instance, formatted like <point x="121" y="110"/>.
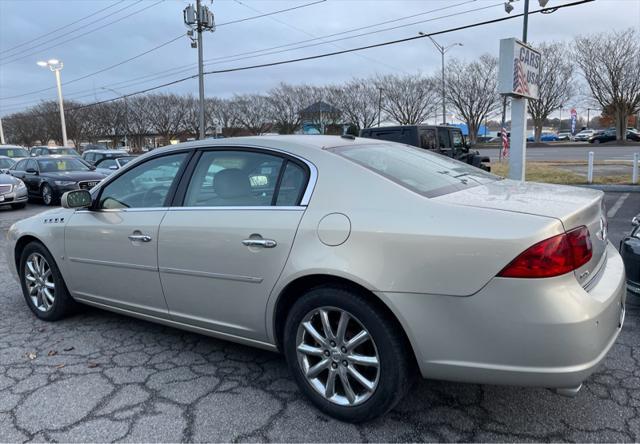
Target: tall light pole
<point x="56" y="66"/>
<point x="443" y="50"/>
<point x="126" y="112"/>
<point x="199" y="19"/>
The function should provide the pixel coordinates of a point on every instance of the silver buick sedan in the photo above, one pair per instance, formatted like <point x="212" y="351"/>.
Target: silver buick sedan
<point x="365" y="262"/>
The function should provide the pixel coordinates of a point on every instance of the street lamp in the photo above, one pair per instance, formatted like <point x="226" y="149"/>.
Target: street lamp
<point x="443" y="50"/>
<point x="126" y="112"/>
<point x="56" y="65"/>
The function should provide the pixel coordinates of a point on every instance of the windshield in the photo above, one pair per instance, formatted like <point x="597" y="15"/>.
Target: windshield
<point x="55" y="165"/>
<point x="7" y="163"/>
<point x="67" y="151"/>
<point x="14" y="152"/>
<point x="419" y="170"/>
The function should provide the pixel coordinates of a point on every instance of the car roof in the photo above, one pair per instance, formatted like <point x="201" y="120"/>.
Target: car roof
<point x="295" y="144"/>
<point x="11" y="146"/>
<point x="106" y="151"/>
<point x="56" y="157"/>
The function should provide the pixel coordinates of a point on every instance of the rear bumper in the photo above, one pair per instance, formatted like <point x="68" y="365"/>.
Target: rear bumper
<point x="534" y="332"/>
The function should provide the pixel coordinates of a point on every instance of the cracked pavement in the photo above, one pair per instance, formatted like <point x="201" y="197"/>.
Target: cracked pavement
<point x="99" y="376"/>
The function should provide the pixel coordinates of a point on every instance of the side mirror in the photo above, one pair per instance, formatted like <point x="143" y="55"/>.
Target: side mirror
<point x="636" y="221"/>
<point x="31" y="171"/>
<point x="92" y="167"/>
<point x="76" y="199"/>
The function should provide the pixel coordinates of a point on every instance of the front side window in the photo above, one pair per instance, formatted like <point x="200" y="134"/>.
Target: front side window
<point x="458" y="141"/>
<point x="32" y="165"/>
<point x="418" y="170"/>
<point x="443" y="138"/>
<point x="106" y="163"/>
<point x="428" y="139"/>
<point x="145" y="186"/>
<point x="20" y="166"/>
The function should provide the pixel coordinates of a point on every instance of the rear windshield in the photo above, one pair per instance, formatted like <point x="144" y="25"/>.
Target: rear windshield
<point x="418" y="170"/>
<point x="14" y="152"/>
<point x="67" y="151"/>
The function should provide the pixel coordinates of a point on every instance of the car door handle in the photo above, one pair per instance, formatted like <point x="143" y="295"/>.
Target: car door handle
<point x="139" y="238"/>
<point x="265" y="243"/>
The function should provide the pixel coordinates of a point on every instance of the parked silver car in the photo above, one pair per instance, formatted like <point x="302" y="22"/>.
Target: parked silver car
<point x="363" y="261"/>
<point x="13" y="192"/>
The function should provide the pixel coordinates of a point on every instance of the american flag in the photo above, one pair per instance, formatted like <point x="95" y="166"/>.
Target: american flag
<point x="520" y="84"/>
<point x="505" y="142"/>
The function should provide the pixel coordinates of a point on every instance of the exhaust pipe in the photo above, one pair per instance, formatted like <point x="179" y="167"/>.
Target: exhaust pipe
<point x="569" y="392"/>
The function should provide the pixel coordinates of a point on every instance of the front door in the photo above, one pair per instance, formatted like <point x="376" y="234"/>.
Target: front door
<point x="221" y="252"/>
<point x="112" y="249"/>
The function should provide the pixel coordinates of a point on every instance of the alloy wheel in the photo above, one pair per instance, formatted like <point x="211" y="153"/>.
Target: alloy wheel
<point x="47" y="196"/>
<point x="38" y="278"/>
<point x="337" y="356"/>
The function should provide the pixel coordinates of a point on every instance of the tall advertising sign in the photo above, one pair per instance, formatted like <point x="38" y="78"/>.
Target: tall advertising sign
<point x="574" y="119"/>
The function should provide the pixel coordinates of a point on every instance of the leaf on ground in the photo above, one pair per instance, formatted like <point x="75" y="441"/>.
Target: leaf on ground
<point x="93" y="365"/>
<point x="68" y="349"/>
<point x="52" y="353"/>
<point x="60" y="366"/>
<point x="31" y="355"/>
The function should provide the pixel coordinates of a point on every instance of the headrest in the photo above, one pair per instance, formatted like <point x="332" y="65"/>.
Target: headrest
<point x="231" y="183"/>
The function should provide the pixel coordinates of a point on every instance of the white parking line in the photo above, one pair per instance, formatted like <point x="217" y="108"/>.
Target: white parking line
<point x="614" y="209"/>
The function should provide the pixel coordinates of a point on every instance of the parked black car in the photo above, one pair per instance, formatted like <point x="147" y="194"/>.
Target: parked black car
<point x="48" y="177"/>
<point x="630" y="251"/>
<point x="610" y="136"/>
<point x="441" y="139"/>
<point x="52" y="151"/>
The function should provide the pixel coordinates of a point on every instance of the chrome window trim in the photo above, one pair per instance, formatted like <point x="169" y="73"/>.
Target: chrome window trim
<point x="123" y="210"/>
<point x="241" y="208"/>
<point x="306" y="197"/>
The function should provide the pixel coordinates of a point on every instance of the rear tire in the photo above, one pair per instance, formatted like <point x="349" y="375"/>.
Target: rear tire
<point x="360" y="390"/>
<point x="42" y="284"/>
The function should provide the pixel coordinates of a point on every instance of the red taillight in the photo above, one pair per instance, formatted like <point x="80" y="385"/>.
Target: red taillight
<point x="552" y="257"/>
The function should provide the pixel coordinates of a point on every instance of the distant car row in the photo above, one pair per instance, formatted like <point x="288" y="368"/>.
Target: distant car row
<point x="46" y="175"/>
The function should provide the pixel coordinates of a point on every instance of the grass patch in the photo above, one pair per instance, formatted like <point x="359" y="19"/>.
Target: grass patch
<point x="553" y="172"/>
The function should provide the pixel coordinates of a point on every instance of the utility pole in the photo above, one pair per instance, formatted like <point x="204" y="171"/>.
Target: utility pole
<point x="379" y="106"/>
<point x="2" y="133"/>
<point x="443" y="50"/>
<point x="56" y="66"/>
<point x="201" y="19"/>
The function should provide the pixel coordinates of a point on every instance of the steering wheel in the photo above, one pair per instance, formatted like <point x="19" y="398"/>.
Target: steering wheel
<point x="160" y="190"/>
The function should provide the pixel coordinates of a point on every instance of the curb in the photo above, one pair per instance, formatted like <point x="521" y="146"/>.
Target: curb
<point x="614" y="188"/>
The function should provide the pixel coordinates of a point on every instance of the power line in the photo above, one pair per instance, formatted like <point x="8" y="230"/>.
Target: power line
<point x="60" y="28"/>
<point x="334" y="53"/>
<point x="268" y="51"/>
<point x="160" y="46"/>
<point x="21" y="57"/>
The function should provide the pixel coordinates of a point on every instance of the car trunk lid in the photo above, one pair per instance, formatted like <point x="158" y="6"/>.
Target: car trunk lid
<point x="573" y="206"/>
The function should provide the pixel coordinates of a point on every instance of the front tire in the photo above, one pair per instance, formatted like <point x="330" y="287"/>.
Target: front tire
<point x="346" y="355"/>
<point x="43" y="288"/>
<point x="46" y="192"/>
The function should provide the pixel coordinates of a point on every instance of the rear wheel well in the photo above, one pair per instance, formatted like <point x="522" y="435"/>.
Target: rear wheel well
<point x="298" y="287"/>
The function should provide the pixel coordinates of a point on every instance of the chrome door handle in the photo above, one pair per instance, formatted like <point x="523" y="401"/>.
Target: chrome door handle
<point x="266" y="243"/>
<point x="139" y="238"/>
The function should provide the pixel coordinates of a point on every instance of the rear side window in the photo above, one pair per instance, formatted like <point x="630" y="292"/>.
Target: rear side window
<point x="428" y="139"/>
<point x="418" y="170"/>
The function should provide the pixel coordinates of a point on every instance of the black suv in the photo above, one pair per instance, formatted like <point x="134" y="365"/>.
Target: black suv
<point x="441" y="139"/>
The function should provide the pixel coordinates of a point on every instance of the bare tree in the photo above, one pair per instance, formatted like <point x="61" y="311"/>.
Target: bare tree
<point x="610" y="63"/>
<point x="358" y="100"/>
<point x="472" y="90"/>
<point x="556" y="85"/>
<point x="166" y="114"/>
<point x="138" y="120"/>
<point x="408" y="99"/>
<point x="251" y="112"/>
<point x="285" y="103"/>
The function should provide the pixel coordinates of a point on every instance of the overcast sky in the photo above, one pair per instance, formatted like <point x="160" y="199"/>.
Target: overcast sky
<point x="140" y="25"/>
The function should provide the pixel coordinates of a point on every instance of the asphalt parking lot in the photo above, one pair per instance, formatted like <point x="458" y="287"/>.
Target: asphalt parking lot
<point x="99" y="376"/>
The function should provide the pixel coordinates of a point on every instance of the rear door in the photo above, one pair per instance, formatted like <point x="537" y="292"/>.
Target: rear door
<point x="222" y="249"/>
